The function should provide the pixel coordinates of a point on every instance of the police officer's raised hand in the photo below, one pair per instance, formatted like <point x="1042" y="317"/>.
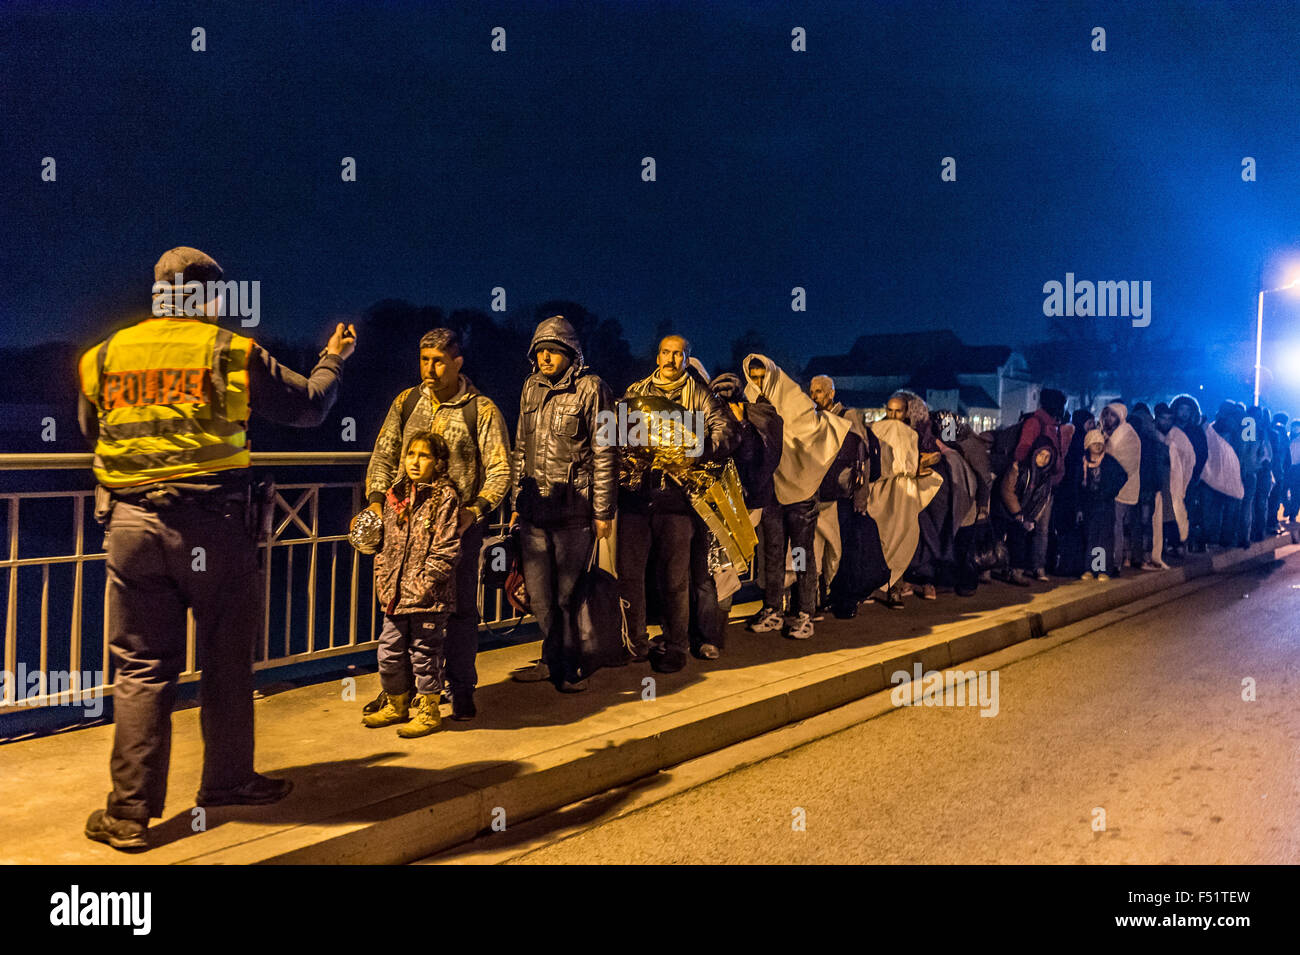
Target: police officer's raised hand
<point x="343" y="341"/>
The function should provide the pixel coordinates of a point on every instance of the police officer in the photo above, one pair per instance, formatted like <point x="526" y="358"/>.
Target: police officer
<point x="165" y="403"/>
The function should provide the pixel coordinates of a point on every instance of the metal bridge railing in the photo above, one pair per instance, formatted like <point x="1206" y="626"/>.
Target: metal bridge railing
<point x="56" y="620"/>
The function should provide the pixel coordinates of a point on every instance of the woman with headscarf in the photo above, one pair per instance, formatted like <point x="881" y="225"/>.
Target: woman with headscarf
<point x="1025" y="494"/>
<point x="810" y="443"/>
<point x="1098" y="478"/>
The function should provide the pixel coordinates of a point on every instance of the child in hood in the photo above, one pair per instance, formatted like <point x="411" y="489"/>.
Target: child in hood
<point x="415" y="581"/>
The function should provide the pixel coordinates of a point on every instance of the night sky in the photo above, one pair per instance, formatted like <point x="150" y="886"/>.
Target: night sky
<point x="774" y="168"/>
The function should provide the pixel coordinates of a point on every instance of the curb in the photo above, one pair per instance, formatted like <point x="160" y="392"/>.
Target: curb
<point x="426" y="821"/>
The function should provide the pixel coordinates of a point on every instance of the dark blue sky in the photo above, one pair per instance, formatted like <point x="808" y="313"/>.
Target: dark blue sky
<point x="775" y="168"/>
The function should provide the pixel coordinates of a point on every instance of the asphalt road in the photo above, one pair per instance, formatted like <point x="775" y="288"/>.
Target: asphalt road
<point x="1144" y="721"/>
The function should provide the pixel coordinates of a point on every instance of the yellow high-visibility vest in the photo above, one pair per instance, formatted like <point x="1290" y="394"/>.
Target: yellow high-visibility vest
<point x="172" y="395"/>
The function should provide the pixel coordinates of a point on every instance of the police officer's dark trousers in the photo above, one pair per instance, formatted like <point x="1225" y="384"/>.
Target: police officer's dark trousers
<point x="160" y="563"/>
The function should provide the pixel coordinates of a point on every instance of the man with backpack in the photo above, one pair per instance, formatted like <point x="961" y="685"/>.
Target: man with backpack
<point x="447" y="404"/>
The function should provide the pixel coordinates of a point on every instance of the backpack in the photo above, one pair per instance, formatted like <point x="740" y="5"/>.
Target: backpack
<point x="469" y="410"/>
<point x="1002" y="448"/>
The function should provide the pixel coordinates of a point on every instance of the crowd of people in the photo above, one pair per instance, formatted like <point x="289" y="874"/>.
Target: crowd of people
<point x="832" y="509"/>
<point x="847" y="511"/>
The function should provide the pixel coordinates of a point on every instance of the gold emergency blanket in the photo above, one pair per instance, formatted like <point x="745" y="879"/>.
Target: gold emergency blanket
<point x="662" y="435"/>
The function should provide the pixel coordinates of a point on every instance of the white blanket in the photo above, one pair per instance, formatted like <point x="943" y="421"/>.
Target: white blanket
<point x="1222" y="469"/>
<point x="897" y="499"/>
<point x="809" y="442"/>
<point x="1182" y="462"/>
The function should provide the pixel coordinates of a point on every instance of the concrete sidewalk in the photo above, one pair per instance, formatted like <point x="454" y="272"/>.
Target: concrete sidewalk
<point x="367" y="796"/>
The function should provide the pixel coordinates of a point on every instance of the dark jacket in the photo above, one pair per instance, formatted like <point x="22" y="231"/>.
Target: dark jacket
<point x="1026" y="489"/>
<point x="562" y="473"/>
<point x="853" y="465"/>
<point x="759" y="451"/>
<point x="1097" y="489"/>
<point x="1155" y="463"/>
<point x="415" y="571"/>
<point x="1037" y="425"/>
<point x="659" y="492"/>
<point x="1200" y="447"/>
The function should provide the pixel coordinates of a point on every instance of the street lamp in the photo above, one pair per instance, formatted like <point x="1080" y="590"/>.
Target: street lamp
<point x="1259" y="328"/>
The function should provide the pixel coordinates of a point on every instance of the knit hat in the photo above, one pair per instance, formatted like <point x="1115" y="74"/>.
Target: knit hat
<point x="728" y="387"/>
<point x="1094" y="437"/>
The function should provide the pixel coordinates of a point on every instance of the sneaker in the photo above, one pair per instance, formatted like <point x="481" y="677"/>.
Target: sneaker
<point x="799" y="627"/>
<point x="1018" y="577"/>
<point x="462" y="706"/>
<point x="1152" y="565"/>
<point x="1086" y="576"/>
<point x="118" y="833"/>
<point x="904" y="589"/>
<point x="427" y="718"/>
<point x="396" y="710"/>
<point x="1103" y="576"/>
<point x="258" y="791"/>
<point x="890" y="600"/>
<point x="572" y="686"/>
<point x="766" y="620"/>
<point x="536" y="673"/>
<point x="1041" y="574"/>
<point x="707" y="651"/>
<point x="375" y="705"/>
<point x="928" y="592"/>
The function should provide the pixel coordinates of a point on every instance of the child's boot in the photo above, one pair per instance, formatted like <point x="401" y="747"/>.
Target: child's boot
<point x="427" y="718"/>
<point x="396" y="710"/>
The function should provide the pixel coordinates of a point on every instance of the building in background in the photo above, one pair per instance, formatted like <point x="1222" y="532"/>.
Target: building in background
<point x="987" y="385"/>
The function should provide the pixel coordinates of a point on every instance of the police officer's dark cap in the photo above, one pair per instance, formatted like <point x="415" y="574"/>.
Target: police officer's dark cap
<point x="191" y="264"/>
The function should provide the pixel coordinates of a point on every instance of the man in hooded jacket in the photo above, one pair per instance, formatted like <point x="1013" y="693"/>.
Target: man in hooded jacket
<point x="564" y="491"/>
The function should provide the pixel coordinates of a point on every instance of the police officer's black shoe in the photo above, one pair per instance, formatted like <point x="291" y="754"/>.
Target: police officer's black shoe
<point x="258" y="791"/>
<point x="118" y="833"/>
<point x="462" y="706"/>
<point x="375" y="705"/>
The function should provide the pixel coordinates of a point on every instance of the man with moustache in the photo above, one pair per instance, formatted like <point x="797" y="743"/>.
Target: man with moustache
<point x="657" y="522"/>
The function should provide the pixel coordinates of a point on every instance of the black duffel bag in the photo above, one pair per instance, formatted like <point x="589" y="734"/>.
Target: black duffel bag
<point x="987" y="550"/>
<point x="600" y="634"/>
